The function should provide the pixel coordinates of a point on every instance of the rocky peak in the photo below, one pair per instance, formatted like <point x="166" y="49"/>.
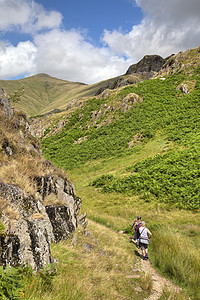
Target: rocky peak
<point x="148" y="66"/>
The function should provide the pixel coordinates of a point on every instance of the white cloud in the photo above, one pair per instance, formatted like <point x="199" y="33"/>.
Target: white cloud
<point x="67" y="55"/>
<point x="16" y="60"/>
<point x="26" y="16"/>
<point x="167" y="27"/>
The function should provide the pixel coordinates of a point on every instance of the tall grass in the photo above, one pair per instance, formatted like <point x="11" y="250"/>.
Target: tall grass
<point x="177" y="257"/>
<point x="174" y="247"/>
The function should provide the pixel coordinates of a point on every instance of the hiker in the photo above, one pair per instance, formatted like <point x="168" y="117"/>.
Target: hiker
<point x="134" y="229"/>
<point x="138" y="225"/>
<point x="145" y="235"/>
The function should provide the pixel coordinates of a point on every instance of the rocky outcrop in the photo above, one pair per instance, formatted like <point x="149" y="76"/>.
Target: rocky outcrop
<point x="148" y="66"/>
<point x="119" y="82"/>
<point x="130" y="100"/>
<point x="29" y="231"/>
<point x="31" y="227"/>
<point x="5" y="104"/>
<point x="68" y="204"/>
<point x="31" y="223"/>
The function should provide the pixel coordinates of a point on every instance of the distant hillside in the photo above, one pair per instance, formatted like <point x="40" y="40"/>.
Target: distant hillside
<point x="43" y="93"/>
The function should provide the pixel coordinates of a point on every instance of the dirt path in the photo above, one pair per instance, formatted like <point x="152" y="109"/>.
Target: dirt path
<point x="158" y="281"/>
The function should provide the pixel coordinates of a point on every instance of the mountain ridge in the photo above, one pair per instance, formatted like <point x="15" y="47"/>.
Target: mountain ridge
<point x="44" y="93"/>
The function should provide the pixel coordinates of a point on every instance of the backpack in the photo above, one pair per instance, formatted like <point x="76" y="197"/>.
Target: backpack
<point x="137" y="229"/>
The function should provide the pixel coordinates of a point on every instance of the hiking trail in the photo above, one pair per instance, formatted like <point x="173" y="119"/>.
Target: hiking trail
<point x="158" y="281"/>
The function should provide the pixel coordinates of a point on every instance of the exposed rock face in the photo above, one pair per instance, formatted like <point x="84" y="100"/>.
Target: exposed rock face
<point x="130" y="100"/>
<point x="29" y="231"/>
<point x="148" y="65"/>
<point x="31" y="227"/>
<point x="5" y="104"/>
<point x="184" y="88"/>
<point x="69" y="210"/>
<point x="146" y="68"/>
<point x="118" y="82"/>
<point x="62" y="221"/>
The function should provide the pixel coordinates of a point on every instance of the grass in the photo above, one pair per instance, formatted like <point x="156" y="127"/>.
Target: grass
<point x="97" y="268"/>
<point x="184" y="263"/>
<point x="178" y="229"/>
<point x="169" y="149"/>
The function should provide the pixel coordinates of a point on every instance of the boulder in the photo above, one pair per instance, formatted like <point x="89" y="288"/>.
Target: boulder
<point x="30" y="226"/>
<point x="29" y="232"/>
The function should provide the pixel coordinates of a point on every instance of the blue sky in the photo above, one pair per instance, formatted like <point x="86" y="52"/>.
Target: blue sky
<point x="95" y="16"/>
<point x="88" y="40"/>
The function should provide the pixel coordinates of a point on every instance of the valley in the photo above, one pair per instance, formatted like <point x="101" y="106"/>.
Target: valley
<point x="128" y="149"/>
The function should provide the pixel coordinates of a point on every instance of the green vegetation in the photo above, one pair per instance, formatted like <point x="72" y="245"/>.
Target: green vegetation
<point x="165" y="111"/>
<point x="156" y="177"/>
<point x="96" y="268"/>
<point x="174" y="247"/>
<point x="2" y="229"/>
<point x="11" y="285"/>
<point x="16" y="96"/>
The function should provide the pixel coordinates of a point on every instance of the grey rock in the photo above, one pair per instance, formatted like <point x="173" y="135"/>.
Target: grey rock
<point x="5" y="104"/>
<point x="74" y="241"/>
<point x="87" y="247"/>
<point x="7" y="148"/>
<point x="184" y="88"/>
<point x="62" y="221"/>
<point x="30" y="226"/>
<point x="87" y="233"/>
<point x="148" y="65"/>
<point x="82" y="221"/>
<point x="29" y="232"/>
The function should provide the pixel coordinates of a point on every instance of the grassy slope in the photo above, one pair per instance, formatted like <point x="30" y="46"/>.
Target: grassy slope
<point x="100" y="273"/>
<point x="165" y="111"/>
<point x="174" y="248"/>
<point x="43" y="93"/>
<point x="169" y="121"/>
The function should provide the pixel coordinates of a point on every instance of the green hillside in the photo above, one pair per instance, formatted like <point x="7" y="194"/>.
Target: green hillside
<point x="135" y="151"/>
<point x="164" y="110"/>
<point x="43" y="93"/>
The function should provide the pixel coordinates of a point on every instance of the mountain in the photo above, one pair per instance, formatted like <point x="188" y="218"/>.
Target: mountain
<point x="43" y="93"/>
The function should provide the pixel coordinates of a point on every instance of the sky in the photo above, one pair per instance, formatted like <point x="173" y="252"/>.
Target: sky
<point x="89" y="41"/>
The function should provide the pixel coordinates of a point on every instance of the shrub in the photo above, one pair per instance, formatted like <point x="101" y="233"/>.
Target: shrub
<point x="11" y="286"/>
